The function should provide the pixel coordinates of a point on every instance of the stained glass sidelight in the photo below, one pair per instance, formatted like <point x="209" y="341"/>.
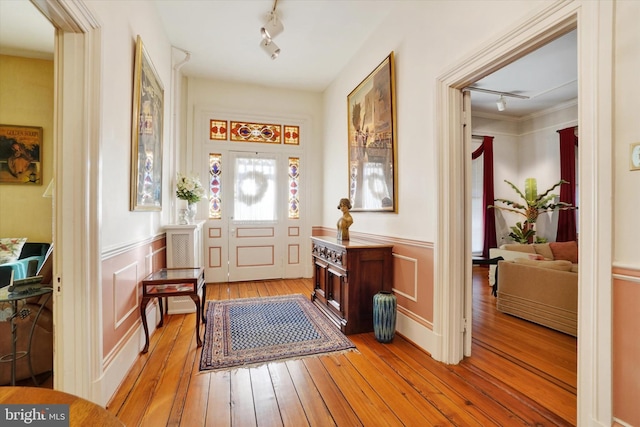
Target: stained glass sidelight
<point x="294" y="188"/>
<point x="256" y="132"/>
<point x="215" y="173"/>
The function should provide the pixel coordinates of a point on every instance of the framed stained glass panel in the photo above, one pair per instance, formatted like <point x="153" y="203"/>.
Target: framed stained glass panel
<point x="292" y="135"/>
<point x="294" y="188"/>
<point x="218" y="130"/>
<point x="215" y="186"/>
<point x="256" y="132"/>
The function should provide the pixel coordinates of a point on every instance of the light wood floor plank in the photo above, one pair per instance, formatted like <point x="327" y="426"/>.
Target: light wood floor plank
<point x="519" y="374"/>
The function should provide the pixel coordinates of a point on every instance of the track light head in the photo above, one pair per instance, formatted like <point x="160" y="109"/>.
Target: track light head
<point x="270" y="47"/>
<point x="502" y="103"/>
<point x="272" y="28"/>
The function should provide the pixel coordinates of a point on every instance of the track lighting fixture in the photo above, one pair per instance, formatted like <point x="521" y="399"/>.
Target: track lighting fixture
<point x="270" y="47"/>
<point x="502" y="103"/>
<point x="269" y="30"/>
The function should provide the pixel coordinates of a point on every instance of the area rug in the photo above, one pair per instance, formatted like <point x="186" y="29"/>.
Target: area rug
<point x="252" y="331"/>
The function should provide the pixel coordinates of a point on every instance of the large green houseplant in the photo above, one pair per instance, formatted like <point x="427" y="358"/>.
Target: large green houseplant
<point x="534" y="204"/>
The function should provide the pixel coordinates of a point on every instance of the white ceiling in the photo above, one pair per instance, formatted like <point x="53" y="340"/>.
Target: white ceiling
<point x="319" y="38"/>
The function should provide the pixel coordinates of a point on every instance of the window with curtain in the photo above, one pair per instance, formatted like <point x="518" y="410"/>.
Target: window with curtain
<point x="477" y="206"/>
<point x="255" y="195"/>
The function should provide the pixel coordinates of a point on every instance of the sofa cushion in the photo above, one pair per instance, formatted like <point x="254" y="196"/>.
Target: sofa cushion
<point x="565" y="250"/>
<point x="561" y="265"/>
<point x="518" y="247"/>
<point x="10" y="248"/>
<point x="543" y="249"/>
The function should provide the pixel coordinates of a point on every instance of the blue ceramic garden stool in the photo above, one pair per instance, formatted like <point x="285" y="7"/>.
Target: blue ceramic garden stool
<point x="384" y="316"/>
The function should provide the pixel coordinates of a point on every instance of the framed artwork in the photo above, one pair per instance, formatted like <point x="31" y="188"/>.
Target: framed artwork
<point x="146" y="134"/>
<point x="20" y="155"/>
<point x="372" y="141"/>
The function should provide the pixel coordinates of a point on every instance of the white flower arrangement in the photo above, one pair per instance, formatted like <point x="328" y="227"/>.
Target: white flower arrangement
<point x="189" y="188"/>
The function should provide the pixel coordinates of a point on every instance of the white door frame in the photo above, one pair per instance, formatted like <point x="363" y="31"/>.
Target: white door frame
<point x="594" y="21"/>
<point x="216" y="232"/>
<point x="76" y="205"/>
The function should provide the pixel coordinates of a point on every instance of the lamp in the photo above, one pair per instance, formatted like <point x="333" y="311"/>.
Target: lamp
<point x="273" y="27"/>
<point x="270" y="47"/>
<point x="502" y="103"/>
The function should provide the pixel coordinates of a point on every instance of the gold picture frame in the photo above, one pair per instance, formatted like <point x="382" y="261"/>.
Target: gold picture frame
<point x="146" y="134"/>
<point x="20" y="155"/>
<point x="371" y="111"/>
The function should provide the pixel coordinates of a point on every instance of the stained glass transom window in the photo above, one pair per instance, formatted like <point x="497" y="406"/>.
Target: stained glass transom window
<point x="215" y="174"/>
<point x="294" y="188"/>
<point x="256" y="132"/>
<point x="292" y="135"/>
<point x="218" y="129"/>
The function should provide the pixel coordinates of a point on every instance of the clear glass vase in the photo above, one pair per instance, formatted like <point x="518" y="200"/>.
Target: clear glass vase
<point x="192" y="210"/>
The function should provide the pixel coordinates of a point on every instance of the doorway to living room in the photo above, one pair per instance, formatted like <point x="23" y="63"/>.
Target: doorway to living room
<point x="453" y="253"/>
<point x="515" y="114"/>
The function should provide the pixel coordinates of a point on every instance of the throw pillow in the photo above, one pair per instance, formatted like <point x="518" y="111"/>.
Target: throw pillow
<point x="565" y="250"/>
<point x="561" y="265"/>
<point x="543" y="249"/>
<point x="518" y="247"/>
<point x="10" y="248"/>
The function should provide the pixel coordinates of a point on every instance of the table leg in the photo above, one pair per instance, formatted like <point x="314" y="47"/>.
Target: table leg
<point x="160" y="302"/>
<point x="196" y="300"/>
<point x="204" y="300"/>
<point x="14" y="341"/>
<point x="143" y="306"/>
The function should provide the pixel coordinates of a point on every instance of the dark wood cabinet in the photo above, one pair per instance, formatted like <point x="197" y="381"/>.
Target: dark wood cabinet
<point x="346" y="276"/>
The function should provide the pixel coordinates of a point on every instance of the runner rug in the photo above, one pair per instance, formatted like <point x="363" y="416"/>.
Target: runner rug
<point x="251" y="331"/>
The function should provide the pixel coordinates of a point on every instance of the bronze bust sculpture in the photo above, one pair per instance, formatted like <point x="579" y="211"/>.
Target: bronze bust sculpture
<point x="345" y="222"/>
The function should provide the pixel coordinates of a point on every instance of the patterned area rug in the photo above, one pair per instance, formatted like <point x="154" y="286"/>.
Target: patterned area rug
<point x="251" y="331"/>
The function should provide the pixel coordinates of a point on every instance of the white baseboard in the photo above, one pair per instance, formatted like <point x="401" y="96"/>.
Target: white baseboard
<point x="118" y="368"/>
<point x="419" y="334"/>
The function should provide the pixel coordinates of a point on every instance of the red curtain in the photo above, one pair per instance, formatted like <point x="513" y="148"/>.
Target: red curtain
<point x="567" y="218"/>
<point x="488" y="217"/>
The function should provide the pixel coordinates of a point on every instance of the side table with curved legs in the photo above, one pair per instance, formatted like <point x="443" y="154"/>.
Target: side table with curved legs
<point x="173" y="282"/>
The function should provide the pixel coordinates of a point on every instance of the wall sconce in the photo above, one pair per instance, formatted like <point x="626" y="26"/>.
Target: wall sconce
<point x="502" y="103"/>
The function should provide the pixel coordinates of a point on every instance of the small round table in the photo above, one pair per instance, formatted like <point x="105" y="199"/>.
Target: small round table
<point x="81" y="411"/>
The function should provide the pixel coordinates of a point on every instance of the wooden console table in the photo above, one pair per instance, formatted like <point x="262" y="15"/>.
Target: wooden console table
<point x="173" y="282"/>
<point x="346" y="276"/>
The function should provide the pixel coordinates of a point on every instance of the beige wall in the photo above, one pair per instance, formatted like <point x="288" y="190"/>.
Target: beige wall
<point x="26" y="99"/>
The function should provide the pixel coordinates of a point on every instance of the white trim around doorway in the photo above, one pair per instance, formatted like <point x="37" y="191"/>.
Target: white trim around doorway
<point x="594" y="21"/>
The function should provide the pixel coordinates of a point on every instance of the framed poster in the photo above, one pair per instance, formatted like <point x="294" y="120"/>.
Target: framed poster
<point x="20" y="155"/>
<point x="146" y="134"/>
<point x="372" y="141"/>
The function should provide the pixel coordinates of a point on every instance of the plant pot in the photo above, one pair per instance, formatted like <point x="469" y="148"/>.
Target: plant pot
<point x="384" y="316"/>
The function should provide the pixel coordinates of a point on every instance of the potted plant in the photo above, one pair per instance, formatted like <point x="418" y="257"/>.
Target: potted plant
<point x="534" y="204"/>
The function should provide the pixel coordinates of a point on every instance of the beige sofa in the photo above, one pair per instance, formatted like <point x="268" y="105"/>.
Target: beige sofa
<point x="538" y="288"/>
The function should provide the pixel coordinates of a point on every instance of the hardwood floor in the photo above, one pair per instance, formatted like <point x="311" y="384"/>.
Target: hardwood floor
<point x="519" y="374"/>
